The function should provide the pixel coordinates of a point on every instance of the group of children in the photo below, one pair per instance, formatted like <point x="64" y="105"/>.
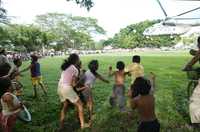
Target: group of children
<point x="10" y="93"/>
<point x="76" y="85"/>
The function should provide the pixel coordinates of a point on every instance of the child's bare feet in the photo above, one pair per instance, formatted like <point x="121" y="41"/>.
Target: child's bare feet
<point x="86" y="125"/>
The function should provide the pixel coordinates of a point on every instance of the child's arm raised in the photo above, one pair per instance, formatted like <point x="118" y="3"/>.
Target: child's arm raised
<point x="26" y="69"/>
<point x="101" y="78"/>
<point x="81" y="88"/>
<point x="127" y="73"/>
<point x="110" y="72"/>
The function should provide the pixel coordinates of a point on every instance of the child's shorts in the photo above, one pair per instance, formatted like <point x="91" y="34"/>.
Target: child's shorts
<point x="87" y="94"/>
<point x="149" y="126"/>
<point x="67" y="93"/>
<point x="36" y="80"/>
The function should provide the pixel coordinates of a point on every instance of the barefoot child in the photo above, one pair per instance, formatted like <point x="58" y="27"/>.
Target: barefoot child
<point x="119" y="87"/>
<point x="136" y="70"/>
<point x="11" y="106"/>
<point x="36" y="77"/>
<point x="66" y="91"/>
<point x="145" y="104"/>
<point x="89" y="79"/>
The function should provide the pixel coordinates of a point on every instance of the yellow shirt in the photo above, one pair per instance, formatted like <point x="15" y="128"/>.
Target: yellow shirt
<point x="136" y="70"/>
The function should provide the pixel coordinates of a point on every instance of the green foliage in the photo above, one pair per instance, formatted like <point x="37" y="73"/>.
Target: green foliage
<point x="27" y="36"/>
<point x="132" y="37"/>
<point x="70" y="31"/>
<point x="3" y="14"/>
<point x="65" y="31"/>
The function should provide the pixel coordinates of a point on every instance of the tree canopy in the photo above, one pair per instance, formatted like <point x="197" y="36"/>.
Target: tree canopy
<point x="60" y="31"/>
<point x="132" y="37"/>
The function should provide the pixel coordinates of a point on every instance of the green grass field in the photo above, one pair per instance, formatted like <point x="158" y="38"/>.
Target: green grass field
<point x="171" y="96"/>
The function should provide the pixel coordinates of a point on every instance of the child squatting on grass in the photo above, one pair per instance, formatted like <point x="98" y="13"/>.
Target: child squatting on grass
<point x="11" y="106"/>
<point x="68" y="80"/>
<point x="145" y="104"/>
<point x="89" y="78"/>
<point x="118" y="94"/>
<point x="36" y="76"/>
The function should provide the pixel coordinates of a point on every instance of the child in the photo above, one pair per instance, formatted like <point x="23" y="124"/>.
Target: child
<point x="89" y="79"/>
<point x="11" y="106"/>
<point x="66" y="91"/>
<point x="136" y="70"/>
<point x="15" y="73"/>
<point x="35" y="75"/>
<point x="15" y="76"/>
<point x="145" y="104"/>
<point x="118" y="88"/>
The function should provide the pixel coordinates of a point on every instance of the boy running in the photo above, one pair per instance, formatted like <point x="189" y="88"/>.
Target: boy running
<point x="119" y="87"/>
<point x="89" y="79"/>
<point x="36" y="77"/>
<point x="136" y="70"/>
<point x="145" y="104"/>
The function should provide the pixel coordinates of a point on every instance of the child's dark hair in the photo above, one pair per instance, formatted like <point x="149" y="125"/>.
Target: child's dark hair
<point x="5" y="84"/>
<point x="4" y="69"/>
<point x="2" y="51"/>
<point x="198" y="42"/>
<point x="17" y="62"/>
<point x="93" y="66"/>
<point x="142" y="85"/>
<point x="120" y="65"/>
<point x="71" y="60"/>
<point x="136" y="58"/>
<point x="34" y="58"/>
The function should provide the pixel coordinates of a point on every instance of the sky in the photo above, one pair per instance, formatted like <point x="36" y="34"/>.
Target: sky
<point x="112" y="15"/>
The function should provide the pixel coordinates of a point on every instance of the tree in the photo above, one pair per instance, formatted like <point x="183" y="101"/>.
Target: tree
<point x="132" y="37"/>
<point x="28" y="36"/>
<point x="86" y="24"/>
<point x="84" y="3"/>
<point x="70" y="31"/>
<point x="3" y="16"/>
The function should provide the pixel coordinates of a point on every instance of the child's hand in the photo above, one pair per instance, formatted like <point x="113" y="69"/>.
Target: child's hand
<point x="21" y="105"/>
<point x="129" y="93"/>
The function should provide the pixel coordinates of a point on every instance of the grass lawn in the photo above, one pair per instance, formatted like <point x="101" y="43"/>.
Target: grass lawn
<point x="171" y="96"/>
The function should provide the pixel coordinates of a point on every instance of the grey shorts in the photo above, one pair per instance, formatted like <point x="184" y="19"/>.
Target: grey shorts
<point x="87" y="93"/>
<point x="119" y="90"/>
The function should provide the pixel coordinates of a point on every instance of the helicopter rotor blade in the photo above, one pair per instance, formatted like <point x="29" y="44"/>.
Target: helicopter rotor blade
<point x="158" y="1"/>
